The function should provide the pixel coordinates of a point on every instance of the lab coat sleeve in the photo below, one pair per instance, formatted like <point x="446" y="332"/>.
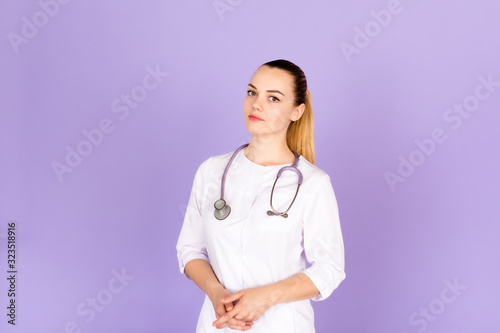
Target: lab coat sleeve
<point x="191" y="243"/>
<point x="323" y="243"/>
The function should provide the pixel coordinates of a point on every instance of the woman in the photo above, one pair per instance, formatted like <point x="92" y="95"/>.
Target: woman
<point x="249" y="259"/>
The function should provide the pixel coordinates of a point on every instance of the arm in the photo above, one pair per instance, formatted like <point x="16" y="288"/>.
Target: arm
<point x="323" y="241"/>
<point x="296" y="288"/>
<point x="254" y="302"/>
<point x="193" y="257"/>
<point x="201" y="273"/>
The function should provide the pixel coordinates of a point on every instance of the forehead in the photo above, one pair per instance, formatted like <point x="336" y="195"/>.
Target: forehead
<point x="267" y="78"/>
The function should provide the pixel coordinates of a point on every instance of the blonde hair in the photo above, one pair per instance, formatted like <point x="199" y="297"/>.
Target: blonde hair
<point x="300" y="133"/>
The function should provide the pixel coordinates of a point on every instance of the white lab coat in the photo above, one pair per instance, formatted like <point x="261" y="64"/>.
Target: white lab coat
<point x="250" y="249"/>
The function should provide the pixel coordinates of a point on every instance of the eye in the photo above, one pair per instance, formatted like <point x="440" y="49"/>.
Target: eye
<point x="273" y="99"/>
<point x="251" y="93"/>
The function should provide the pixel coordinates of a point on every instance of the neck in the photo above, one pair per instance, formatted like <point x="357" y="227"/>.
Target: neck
<point x="269" y="150"/>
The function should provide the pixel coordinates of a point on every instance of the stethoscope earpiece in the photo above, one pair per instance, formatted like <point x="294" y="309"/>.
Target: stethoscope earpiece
<point x="222" y="209"/>
<point x="271" y="213"/>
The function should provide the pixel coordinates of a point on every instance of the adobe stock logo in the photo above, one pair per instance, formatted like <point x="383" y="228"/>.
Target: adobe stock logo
<point x="223" y="6"/>
<point x="364" y="35"/>
<point x="428" y="314"/>
<point x="90" y="308"/>
<point x="326" y="248"/>
<point x="122" y="107"/>
<point x="30" y="27"/>
<point x="455" y="116"/>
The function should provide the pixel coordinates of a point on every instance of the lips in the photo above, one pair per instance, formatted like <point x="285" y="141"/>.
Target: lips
<point x="255" y="118"/>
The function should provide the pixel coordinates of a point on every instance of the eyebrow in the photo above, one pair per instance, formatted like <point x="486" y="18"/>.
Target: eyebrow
<point x="271" y="91"/>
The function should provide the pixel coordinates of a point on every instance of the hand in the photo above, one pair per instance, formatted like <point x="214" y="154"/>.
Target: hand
<point x="251" y="304"/>
<point x="222" y="308"/>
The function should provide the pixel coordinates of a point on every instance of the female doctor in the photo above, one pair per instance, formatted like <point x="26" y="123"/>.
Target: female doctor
<point x="261" y="235"/>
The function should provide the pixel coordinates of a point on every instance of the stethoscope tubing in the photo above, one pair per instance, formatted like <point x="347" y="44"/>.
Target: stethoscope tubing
<point x="222" y="209"/>
<point x="223" y="183"/>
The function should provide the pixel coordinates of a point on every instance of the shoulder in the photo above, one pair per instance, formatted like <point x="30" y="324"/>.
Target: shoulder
<point x="214" y="163"/>
<point x="312" y="173"/>
<point x="318" y="189"/>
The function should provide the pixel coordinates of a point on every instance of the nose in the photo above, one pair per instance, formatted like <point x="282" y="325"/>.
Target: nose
<point x="257" y="104"/>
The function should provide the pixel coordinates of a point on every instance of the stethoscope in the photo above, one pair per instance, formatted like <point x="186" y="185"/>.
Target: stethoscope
<point x="222" y="209"/>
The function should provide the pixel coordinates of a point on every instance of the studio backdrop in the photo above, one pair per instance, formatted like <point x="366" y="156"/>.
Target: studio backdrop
<point x="108" y="108"/>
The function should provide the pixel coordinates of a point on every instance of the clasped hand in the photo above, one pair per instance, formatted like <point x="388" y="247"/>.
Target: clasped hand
<point x="239" y="310"/>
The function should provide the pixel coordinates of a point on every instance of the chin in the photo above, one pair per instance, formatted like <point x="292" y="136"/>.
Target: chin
<point x="251" y="129"/>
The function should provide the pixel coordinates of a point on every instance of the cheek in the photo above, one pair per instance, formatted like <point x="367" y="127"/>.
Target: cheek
<point x="278" y="118"/>
<point x="247" y="105"/>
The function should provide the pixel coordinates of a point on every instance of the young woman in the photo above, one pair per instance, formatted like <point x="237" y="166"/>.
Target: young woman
<point x="260" y="247"/>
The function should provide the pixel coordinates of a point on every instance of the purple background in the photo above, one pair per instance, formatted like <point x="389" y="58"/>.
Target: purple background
<point x="122" y="207"/>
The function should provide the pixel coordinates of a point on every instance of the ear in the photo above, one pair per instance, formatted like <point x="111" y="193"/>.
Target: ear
<point x="298" y="112"/>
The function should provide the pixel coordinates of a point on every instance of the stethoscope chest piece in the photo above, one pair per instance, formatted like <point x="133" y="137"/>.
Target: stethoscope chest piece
<point x="222" y="209"/>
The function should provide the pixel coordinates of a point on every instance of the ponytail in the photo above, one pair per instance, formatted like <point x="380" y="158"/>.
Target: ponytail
<point x="300" y="133"/>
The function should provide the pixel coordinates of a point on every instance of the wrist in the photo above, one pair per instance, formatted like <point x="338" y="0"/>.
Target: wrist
<point x="275" y="294"/>
<point x="214" y="290"/>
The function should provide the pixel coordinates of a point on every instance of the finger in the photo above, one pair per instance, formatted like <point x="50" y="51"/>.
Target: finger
<point x="239" y="328"/>
<point x="232" y="298"/>
<point x="220" y="311"/>
<point x="224" y="318"/>
<point x="246" y="328"/>
<point x="229" y="307"/>
<point x="234" y="321"/>
<point x="236" y="325"/>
